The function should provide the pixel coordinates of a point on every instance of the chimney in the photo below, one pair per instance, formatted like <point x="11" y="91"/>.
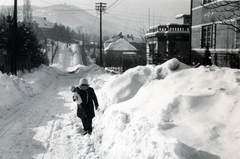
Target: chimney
<point x="120" y="35"/>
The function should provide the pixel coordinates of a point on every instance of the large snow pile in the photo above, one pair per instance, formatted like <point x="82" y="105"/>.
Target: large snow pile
<point x="190" y="113"/>
<point x="14" y="88"/>
<point x="125" y="86"/>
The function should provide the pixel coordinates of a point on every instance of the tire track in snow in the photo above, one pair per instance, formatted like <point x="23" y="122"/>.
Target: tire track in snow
<point x="16" y="128"/>
<point x="20" y="115"/>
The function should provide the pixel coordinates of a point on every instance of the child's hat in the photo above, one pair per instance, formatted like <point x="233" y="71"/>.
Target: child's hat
<point x="83" y="81"/>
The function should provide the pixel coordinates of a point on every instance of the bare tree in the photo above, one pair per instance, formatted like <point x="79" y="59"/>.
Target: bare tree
<point x="226" y="11"/>
<point x="142" y="31"/>
<point x="27" y="12"/>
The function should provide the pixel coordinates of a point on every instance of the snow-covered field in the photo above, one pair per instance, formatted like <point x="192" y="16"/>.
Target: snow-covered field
<point x="170" y="111"/>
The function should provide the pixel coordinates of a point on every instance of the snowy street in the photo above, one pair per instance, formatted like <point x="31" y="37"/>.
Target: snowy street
<point x="168" y="111"/>
<point x="17" y="126"/>
<point x="44" y="123"/>
<point x="158" y="80"/>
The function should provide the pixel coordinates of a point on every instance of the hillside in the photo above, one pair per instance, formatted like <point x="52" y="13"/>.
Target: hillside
<point x="74" y="17"/>
<point x="66" y="15"/>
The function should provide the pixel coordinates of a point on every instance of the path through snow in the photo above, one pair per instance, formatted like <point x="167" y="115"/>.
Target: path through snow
<point x="46" y="125"/>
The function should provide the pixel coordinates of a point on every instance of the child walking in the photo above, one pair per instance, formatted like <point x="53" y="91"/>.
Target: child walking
<point x="85" y="109"/>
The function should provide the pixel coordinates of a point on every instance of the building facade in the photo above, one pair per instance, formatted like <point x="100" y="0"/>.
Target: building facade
<point x="45" y="27"/>
<point x="207" y="31"/>
<point x="168" y="41"/>
<point x="123" y="52"/>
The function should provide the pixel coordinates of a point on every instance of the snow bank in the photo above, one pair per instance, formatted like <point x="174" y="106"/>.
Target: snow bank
<point x="14" y="88"/>
<point x="125" y="86"/>
<point x="189" y="113"/>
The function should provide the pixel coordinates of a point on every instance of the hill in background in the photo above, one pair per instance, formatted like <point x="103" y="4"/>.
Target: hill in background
<point x="75" y="17"/>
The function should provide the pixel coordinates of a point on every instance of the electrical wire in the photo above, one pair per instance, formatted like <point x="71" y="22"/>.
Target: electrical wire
<point x="112" y="4"/>
<point x="4" y="2"/>
<point x="119" y="3"/>
<point x="138" y="17"/>
<point x="46" y="2"/>
<point x="128" y="17"/>
<point x="94" y="22"/>
<point x="134" y="14"/>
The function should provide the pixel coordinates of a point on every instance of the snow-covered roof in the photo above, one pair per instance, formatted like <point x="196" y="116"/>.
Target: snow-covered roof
<point x="43" y="23"/>
<point x="182" y="16"/>
<point x="129" y="53"/>
<point x="120" y="45"/>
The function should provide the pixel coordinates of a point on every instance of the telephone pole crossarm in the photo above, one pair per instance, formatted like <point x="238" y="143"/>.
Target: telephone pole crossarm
<point x="101" y="7"/>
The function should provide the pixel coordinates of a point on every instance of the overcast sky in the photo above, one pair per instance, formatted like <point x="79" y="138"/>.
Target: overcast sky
<point x="161" y="11"/>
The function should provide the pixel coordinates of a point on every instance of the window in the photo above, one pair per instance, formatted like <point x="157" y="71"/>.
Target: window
<point x="207" y="36"/>
<point x="152" y="48"/>
<point x="208" y="1"/>
<point x="237" y="41"/>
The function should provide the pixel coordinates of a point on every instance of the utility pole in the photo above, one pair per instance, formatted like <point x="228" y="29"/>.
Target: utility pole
<point x="149" y="18"/>
<point x="190" y="36"/>
<point x="101" y="7"/>
<point x="15" y="43"/>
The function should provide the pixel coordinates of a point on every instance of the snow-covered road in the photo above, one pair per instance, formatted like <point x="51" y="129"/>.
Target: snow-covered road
<point x="17" y="126"/>
<point x="43" y="125"/>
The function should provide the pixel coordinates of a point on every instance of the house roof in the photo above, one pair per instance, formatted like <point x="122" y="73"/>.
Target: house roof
<point x="182" y="16"/>
<point x="120" y="45"/>
<point x="43" y="23"/>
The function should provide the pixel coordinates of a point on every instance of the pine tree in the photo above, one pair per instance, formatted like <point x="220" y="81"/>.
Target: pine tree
<point x="29" y="50"/>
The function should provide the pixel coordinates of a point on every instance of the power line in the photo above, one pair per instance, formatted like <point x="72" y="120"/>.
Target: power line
<point x="128" y="17"/>
<point x="119" y="3"/>
<point x="131" y="18"/>
<point x="4" y="2"/>
<point x="73" y="10"/>
<point x="135" y="14"/>
<point x="133" y="28"/>
<point x="94" y="22"/>
<point x="127" y="20"/>
<point x="112" y="4"/>
<point x="46" y="2"/>
<point x="78" y="3"/>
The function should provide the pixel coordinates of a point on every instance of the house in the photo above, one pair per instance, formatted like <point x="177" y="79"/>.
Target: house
<point x="42" y="27"/>
<point x="168" y="41"/>
<point x="207" y="31"/>
<point x="123" y="52"/>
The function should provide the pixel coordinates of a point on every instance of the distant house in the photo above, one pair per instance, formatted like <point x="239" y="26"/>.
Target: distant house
<point x="45" y="27"/>
<point x="168" y="41"/>
<point x="123" y="52"/>
<point x="222" y="40"/>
